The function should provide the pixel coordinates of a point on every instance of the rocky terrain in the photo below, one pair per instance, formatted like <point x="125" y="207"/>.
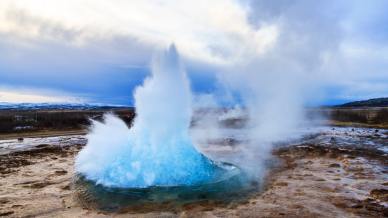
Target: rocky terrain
<point x="322" y="175"/>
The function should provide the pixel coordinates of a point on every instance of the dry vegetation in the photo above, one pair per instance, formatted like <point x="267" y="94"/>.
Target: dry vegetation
<point x="361" y="117"/>
<point x="23" y="123"/>
<point x="27" y="121"/>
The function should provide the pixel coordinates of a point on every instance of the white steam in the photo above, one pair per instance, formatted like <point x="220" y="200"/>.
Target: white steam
<point x="157" y="150"/>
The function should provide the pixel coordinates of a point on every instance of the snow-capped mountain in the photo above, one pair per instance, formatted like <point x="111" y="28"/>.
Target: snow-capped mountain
<point x="55" y="106"/>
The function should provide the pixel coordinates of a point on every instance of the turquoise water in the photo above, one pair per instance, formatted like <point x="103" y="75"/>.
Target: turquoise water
<point x="228" y="185"/>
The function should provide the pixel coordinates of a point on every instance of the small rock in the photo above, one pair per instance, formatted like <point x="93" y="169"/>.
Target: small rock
<point x="357" y="206"/>
<point x="16" y="205"/>
<point x="6" y="213"/>
<point x="38" y="185"/>
<point x="336" y="165"/>
<point x="3" y="201"/>
<point x="66" y="187"/>
<point x="42" y="146"/>
<point x="380" y="194"/>
<point x="281" y="184"/>
<point x="60" y="172"/>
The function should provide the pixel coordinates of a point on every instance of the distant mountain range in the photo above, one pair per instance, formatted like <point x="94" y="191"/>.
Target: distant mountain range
<point x="57" y="106"/>
<point x="375" y="102"/>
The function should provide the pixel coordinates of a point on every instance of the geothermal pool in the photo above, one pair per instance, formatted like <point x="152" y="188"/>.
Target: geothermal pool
<point x="229" y="185"/>
<point x="157" y="151"/>
<point x="155" y="161"/>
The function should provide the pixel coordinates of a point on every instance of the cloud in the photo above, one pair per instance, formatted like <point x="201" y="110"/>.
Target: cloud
<point x="217" y="31"/>
<point x="12" y="96"/>
<point x="101" y="49"/>
<point x="326" y="44"/>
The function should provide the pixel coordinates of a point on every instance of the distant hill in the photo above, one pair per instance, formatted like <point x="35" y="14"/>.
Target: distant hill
<point x="56" y="106"/>
<point x="375" y="102"/>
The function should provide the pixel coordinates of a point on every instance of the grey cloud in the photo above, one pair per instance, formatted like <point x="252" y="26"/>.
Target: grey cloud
<point x="45" y="28"/>
<point x="313" y="37"/>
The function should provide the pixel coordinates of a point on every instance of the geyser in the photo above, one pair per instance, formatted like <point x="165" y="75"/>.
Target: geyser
<point x="157" y="150"/>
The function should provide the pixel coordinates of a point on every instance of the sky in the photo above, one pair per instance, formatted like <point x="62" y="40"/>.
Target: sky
<point x="97" y="51"/>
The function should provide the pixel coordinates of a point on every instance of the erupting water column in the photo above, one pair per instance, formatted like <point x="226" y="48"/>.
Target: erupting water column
<point x="157" y="150"/>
